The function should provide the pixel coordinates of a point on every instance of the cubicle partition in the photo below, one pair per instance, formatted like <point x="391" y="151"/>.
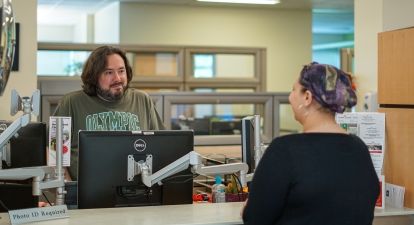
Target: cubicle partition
<point x="215" y="117"/>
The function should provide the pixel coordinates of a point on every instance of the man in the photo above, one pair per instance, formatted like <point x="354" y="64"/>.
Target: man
<point x="106" y="102"/>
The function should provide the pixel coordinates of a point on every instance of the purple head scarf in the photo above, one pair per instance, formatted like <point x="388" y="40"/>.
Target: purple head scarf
<point x="331" y="87"/>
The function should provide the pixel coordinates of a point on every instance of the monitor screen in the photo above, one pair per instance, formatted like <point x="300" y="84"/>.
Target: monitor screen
<point x="225" y="127"/>
<point x="248" y="142"/>
<point x="102" y="172"/>
<point x="28" y="147"/>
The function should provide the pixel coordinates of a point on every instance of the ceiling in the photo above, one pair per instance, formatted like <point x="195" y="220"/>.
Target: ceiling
<point x="329" y="16"/>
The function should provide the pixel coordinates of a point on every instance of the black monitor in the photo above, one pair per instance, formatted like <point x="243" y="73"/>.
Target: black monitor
<point x="102" y="172"/>
<point x="28" y="147"/>
<point x="225" y="127"/>
<point x="248" y="142"/>
<point x="201" y="126"/>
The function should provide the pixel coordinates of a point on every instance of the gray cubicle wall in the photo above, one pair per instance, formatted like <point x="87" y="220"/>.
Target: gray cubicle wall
<point x="270" y="104"/>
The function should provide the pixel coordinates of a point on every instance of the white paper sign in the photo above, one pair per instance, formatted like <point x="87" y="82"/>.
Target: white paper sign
<point x="66" y="138"/>
<point x="38" y="214"/>
<point x="394" y="195"/>
<point x="370" y="127"/>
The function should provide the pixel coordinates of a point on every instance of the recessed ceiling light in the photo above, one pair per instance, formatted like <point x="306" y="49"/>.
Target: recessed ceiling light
<point x="267" y="2"/>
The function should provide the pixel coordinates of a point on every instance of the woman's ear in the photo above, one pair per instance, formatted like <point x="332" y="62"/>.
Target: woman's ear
<point x="308" y="98"/>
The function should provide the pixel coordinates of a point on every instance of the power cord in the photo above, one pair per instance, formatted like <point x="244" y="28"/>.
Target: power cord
<point x="47" y="199"/>
<point x="4" y="206"/>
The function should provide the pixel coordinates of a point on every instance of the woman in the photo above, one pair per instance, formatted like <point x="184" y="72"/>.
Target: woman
<point x="323" y="175"/>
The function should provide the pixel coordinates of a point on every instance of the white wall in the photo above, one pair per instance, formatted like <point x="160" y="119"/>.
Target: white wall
<point x="397" y="14"/>
<point x="68" y="26"/>
<point x="24" y="80"/>
<point x="106" y="24"/>
<point x="286" y="34"/>
<point x="368" y="23"/>
<point x="80" y="33"/>
<point x="53" y="33"/>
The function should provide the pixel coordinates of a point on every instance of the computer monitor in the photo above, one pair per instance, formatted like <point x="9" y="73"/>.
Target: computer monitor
<point x="225" y="127"/>
<point x="201" y="126"/>
<point x="248" y="142"/>
<point x="28" y="147"/>
<point x="102" y="172"/>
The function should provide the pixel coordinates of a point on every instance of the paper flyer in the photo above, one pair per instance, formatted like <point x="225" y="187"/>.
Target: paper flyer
<point x="66" y="139"/>
<point x="394" y="195"/>
<point x="370" y="127"/>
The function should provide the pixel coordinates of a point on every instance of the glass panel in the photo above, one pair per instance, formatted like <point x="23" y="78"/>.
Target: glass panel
<point x="155" y="90"/>
<point x="60" y="63"/>
<point x="212" y="119"/>
<point x="154" y="64"/>
<point x="288" y="124"/>
<point x="223" y="65"/>
<point x="204" y="65"/>
<point x="227" y="90"/>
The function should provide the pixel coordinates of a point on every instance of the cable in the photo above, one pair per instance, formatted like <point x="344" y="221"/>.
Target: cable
<point x="44" y="195"/>
<point x="189" y="179"/>
<point x="238" y="182"/>
<point x="239" y="191"/>
<point x="3" y="205"/>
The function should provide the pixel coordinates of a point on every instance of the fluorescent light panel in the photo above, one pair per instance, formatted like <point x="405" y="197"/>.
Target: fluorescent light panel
<point x="266" y="2"/>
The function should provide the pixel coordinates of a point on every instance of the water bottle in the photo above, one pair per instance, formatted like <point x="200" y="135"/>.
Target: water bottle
<point x="218" y="191"/>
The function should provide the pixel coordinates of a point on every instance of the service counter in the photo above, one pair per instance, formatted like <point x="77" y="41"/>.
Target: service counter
<point x="200" y="213"/>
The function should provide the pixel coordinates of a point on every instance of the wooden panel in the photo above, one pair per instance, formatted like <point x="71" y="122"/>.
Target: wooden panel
<point x="396" y="67"/>
<point x="399" y="151"/>
<point x="155" y="64"/>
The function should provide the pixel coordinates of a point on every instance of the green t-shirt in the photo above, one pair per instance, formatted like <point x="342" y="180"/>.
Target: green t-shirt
<point x="135" y="111"/>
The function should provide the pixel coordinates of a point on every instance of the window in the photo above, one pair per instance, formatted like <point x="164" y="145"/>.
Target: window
<point x="60" y="63"/>
<point x="204" y="65"/>
<point x="168" y="68"/>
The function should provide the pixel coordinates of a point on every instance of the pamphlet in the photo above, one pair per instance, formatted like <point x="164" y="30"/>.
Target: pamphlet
<point x="370" y="127"/>
<point x="66" y="140"/>
<point x="394" y="195"/>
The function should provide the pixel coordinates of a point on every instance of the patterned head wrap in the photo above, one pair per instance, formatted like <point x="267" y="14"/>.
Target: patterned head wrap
<point x="332" y="88"/>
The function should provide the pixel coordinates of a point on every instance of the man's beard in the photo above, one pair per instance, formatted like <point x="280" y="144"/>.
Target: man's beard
<point x="108" y="95"/>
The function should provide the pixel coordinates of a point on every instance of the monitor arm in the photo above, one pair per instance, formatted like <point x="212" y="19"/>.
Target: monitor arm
<point x="193" y="158"/>
<point x="25" y="104"/>
<point x="43" y="177"/>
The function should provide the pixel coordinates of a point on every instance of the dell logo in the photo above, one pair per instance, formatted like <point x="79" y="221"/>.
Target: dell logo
<point x="140" y="145"/>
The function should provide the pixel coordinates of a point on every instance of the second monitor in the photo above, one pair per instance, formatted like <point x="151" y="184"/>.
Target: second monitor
<point x="102" y="178"/>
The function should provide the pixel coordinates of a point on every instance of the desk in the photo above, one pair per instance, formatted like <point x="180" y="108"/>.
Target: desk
<point x="199" y="214"/>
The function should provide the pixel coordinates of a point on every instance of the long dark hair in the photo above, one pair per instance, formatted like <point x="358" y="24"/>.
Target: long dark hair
<point x="96" y="65"/>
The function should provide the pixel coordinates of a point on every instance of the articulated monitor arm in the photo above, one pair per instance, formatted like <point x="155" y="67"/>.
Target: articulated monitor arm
<point x="25" y="104"/>
<point x="43" y="177"/>
<point x="193" y="158"/>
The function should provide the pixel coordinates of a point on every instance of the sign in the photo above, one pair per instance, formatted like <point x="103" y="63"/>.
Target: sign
<point x="370" y="127"/>
<point x="38" y="214"/>
<point x="66" y="141"/>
